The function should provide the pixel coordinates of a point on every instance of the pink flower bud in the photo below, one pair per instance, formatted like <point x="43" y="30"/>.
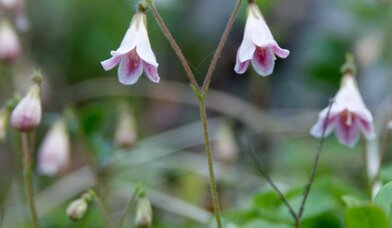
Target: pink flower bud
<point x="53" y="154"/>
<point x="27" y="114"/>
<point x="126" y="134"/>
<point x="10" y="48"/>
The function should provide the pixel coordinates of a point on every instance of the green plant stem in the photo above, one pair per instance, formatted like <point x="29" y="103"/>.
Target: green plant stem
<point x="27" y="164"/>
<point x="365" y="161"/>
<point x="221" y="45"/>
<point x="315" y="165"/>
<point x="102" y="208"/>
<point x="127" y="208"/>
<point x="214" y="193"/>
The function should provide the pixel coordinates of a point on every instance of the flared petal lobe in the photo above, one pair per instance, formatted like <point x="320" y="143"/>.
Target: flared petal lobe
<point x="264" y="61"/>
<point x="130" y="69"/>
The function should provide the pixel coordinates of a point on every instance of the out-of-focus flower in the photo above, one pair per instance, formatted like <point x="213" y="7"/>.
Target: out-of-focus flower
<point x="27" y="114"/>
<point x="126" y="134"/>
<point x="53" y="154"/>
<point x="348" y="115"/>
<point x="143" y="212"/>
<point x="258" y="45"/>
<point x="226" y="148"/>
<point x="4" y="113"/>
<point x="11" y="4"/>
<point x="389" y="125"/>
<point x="77" y="209"/>
<point x="10" y="48"/>
<point x="134" y="54"/>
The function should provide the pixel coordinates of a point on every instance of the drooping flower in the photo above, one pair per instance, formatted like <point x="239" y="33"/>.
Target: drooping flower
<point x="53" y="154"/>
<point x="258" y="45"/>
<point x="348" y="116"/>
<point x="134" y="54"/>
<point x="27" y="114"/>
<point x="10" y="48"/>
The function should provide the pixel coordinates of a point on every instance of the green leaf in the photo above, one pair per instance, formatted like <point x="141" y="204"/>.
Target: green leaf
<point x="366" y="216"/>
<point x="384" y="197"/>
<point x="351" y="201"/>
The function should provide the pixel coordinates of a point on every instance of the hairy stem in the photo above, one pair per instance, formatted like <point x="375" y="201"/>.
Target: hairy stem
<point x="260" y="167"/>
<point x="315" y="164"/>
<point x="127" y="208"/>
<point x="174" y="45"/>
<point x="221" y="45"/>
<point x="27" y="164"/>
<point x="214" y="193"/>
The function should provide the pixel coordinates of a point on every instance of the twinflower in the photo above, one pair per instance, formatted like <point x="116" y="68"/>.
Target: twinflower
<point x="348" y="115"/>
<point x="134" y="53"/>
<point x="258" y="45"/>
<point x="53" y="154"/>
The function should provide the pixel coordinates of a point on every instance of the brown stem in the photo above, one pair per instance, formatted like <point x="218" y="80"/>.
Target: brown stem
<point x="175" y="46"/>
<point x="222" y="42"/>
<point x="104" y="211"/>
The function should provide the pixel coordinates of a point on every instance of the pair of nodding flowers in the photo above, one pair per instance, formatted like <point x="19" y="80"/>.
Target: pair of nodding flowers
<point x="135" y="53"/>
<point x="348" y="115"/>
<point x="53" y="154"/>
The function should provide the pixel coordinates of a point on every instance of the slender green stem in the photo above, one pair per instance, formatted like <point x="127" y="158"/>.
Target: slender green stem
<point x="104" y="211"/>
<point x="174" y="45"/>
<point x="315" y="165"/>
<point x="27" y="164"/>
<point x="221" y="45"/>
<point x="214" y="193"/>
<point x="366" y="164"/>
<point x="127" y="208"/>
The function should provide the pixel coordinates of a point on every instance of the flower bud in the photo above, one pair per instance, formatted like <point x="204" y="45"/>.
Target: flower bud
<point x="53" y="154"/>
<point x="125" y="134"/>
<point x="27" y="114"/>
<point x="77" y="209"/>
<point x="226" y="148"/>
<point x="143" y="212"/>
<point x="10" y="48"/>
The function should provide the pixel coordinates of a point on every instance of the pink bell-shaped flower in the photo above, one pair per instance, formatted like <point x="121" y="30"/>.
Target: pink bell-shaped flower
<point x="348" y="116"/>
<point x="53" y="154"/>
<point x="258" y="45"/>
<point x="134" y="54"/>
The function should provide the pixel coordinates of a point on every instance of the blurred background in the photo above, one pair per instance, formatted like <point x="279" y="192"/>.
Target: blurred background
<point x="67" y="39"/>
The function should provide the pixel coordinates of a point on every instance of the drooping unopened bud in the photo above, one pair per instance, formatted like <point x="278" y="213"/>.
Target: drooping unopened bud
<point x="77" y="209"/>
<point x="53" y="154"/>
<point x="143" y="212"/>
<point x="125" y="134"/>
<point x="226" y="148"/>
<point x="3" y="123"/>
<point x="27" y="114"/>
<point x="10" y="48"/>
